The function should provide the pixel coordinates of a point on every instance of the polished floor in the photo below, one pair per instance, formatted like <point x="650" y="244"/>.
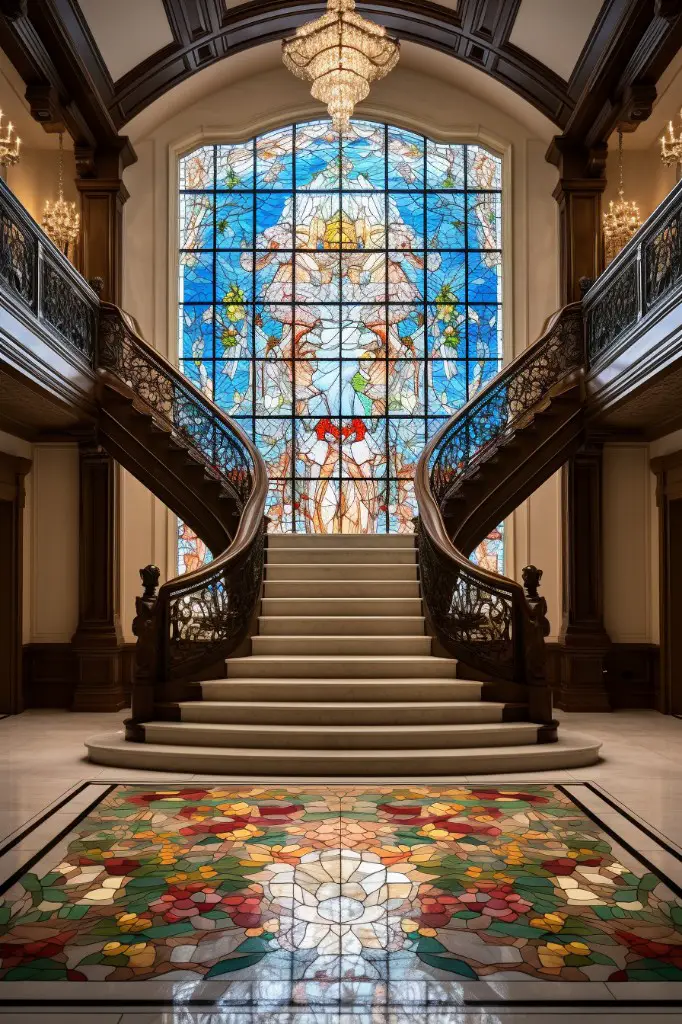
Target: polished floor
<point x="636" y="796"/>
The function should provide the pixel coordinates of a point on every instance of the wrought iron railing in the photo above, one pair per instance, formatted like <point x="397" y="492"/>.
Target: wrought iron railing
<point x="482" y="617"/>
<point x="37" y="278"/>
<point x="197" y="619"/>
<point x="646" y="273"/>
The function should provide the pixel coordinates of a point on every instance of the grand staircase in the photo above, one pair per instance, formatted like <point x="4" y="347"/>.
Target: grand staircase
<point x="342" y="681"/>
<point x="334" y="656"/>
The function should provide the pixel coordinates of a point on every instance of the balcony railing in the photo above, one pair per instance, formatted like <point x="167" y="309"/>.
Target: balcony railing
<point x="36" y="278"/>
<point x="644" y="279"/>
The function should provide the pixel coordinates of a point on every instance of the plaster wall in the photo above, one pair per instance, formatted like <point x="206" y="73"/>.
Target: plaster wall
<point x="407" y="97"/>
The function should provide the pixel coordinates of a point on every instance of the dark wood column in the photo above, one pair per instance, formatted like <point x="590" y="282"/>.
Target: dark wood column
<point x="583" y="640"/>
<point x="12" y="472"/>
<point x="98" y="641"/>
<point x="578" y="193"/>
<point x="580" y="683"/>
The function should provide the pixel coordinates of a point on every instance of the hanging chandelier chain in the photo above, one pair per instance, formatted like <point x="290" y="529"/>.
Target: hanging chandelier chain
<point x="60" y="219"/>
<point x="622" y="219"/>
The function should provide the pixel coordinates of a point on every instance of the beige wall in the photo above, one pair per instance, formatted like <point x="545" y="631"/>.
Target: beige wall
<point x="35" y="178"/>
<point x="408" y="97"/>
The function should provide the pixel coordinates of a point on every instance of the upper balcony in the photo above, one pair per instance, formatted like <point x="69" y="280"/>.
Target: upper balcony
<point x="48" y="330"/>
<point x="633" y="318"/>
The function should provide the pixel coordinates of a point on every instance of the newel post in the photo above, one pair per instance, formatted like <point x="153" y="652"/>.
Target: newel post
<point x="537" y="628"/>
<point x="145" y="628"/>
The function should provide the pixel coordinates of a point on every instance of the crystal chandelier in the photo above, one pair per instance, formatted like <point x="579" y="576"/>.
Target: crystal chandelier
<point x="622" y="218"/>
<point x="341" y="53"/>
<point x="671" y="146"/>
<point x="60" y="220"/>
<point x="9" y="145"/>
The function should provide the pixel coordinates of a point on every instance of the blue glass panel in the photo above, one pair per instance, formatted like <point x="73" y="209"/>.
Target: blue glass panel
<point x="275" y="220"/>
<point x="363" y="387"/>
<point x="317" y="156"/>
<point x="233" y="330"/>
<point x="233" y="391"/>
<point x="234" y="166"/>
<point x="406" y="221"/>
<point x="447" y="325"/>
<point x="234" y="220"/>
<point x="274" y="159"/>
<point x="196" y="277"/>
<point x="196" y="220"/>
<point x="363" y="164"/>
<point x="447" y="278"/>
<point x="317" y="446"/>
<point x="484" y="169"/>
<point x="233" y="281"/>
<point x="279" y="507"/>
<point x="200" y="373"/>
<point x="274" y="274"/>
<point x="485" y="332"/>
<point x="405" y="159"/>
<point x="406" y="332"/>
<point x="272" y="331"/>
<point x="196" y="332"/>
<point x="480" y="372"/>
<point x="406" y="440"/>
<point x="318" y="388"/>
<point x="274" y="440"/>
<point x="485" y="277"/>
<point x="447" y="385"/>
<point x="318" y="221"/>
<point x="485" y="220"/>
<point x="444" y="165"/>
<point x="445" y="220"/>
<point x="196" y="169"/>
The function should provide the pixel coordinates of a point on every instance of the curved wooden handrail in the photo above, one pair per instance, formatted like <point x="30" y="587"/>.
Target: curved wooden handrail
<point x="198" y="618"/>
<point x="491" y="625"/>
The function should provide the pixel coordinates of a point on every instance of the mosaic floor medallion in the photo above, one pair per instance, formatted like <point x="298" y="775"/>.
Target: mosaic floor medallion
<point x="302" y="894"/>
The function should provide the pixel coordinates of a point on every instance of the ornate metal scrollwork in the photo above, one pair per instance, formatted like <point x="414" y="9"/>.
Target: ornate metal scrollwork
<point x="18" y="258"/>
<point x="482" y="617"/>
<point x="663" y="259"/>
<point x="613" y="312"/>
<point x="66" y="311"/>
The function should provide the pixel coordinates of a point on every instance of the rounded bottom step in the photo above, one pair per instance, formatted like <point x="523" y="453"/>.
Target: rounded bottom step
<point x="568" y="752"/>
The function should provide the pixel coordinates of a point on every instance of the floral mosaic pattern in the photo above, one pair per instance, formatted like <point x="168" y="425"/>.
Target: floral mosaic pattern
<point x="331" y="885"/>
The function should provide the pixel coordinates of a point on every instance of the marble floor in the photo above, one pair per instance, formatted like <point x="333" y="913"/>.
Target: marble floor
<point x="638" y="794"/>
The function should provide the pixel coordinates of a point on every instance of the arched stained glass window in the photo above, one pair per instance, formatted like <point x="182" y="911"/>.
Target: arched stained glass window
<point x="340" y="297"/>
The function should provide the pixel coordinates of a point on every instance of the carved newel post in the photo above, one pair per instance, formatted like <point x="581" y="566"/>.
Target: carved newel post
<point x="539" y="693"/>
<point x="145" y="628"/>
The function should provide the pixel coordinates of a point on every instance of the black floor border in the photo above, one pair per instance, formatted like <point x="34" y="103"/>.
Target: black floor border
<point x="44" y="816"/>
<point x="643" y="826"/>
<point x="612" y="1004"/>
<point x="51" y="843"/>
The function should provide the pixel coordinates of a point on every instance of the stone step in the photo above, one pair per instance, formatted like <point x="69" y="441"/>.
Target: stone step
<point x="358" y="666"/>
<point x="341" y="625"/>
<point x="342" y="691"/>
<point x="405" y="763"/>
<point x="340" y="588"/>
<point x="321" y="553"/>
<point x="343" y="737"/>
<point x="340" y="606"/>
<point x="406" y="713"/>
<point x="340" y="571"/>
<point x="341" y="645"/>
<point x="345" y="540"/>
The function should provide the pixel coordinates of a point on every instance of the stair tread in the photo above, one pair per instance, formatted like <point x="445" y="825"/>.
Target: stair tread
<point x="323" y="730"/>
<point x="339" y="680"/>
<point x="273" y="658"/>
<point x="333" y="705"/>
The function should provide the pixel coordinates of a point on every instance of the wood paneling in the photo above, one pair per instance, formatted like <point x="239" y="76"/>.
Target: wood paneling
<point x="668" y="470"/>
<point x="12" y="473"/>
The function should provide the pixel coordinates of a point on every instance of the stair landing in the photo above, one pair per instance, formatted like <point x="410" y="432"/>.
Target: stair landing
<point x="342" y="682"/>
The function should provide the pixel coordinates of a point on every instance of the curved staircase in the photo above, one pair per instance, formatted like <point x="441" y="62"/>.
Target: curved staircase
<point x="342" y="655"/>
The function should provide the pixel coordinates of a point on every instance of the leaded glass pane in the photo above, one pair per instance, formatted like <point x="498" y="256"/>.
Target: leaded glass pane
<point x="341" y="297"/>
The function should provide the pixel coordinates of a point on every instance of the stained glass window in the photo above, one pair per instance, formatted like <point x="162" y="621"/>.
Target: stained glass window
<point x="340" y="297"/>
